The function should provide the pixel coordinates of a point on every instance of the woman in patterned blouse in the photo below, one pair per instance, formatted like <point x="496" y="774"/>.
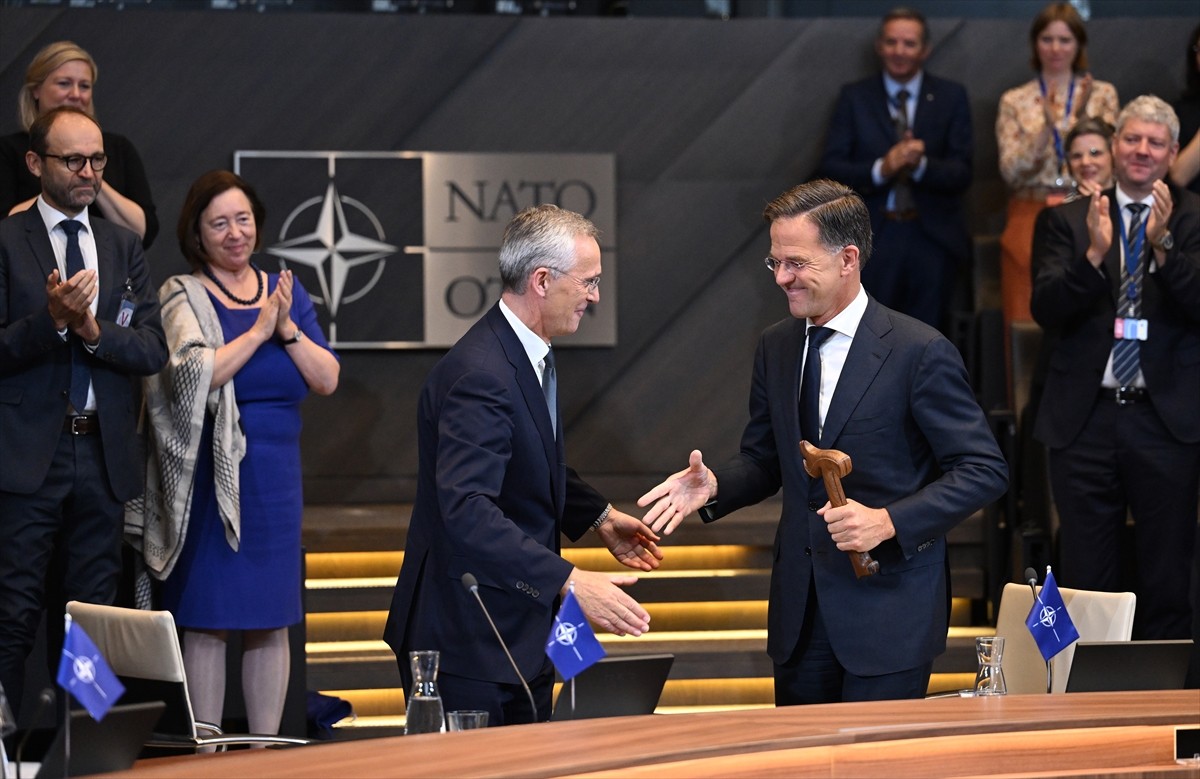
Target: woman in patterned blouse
<point x="1031" y="127"/>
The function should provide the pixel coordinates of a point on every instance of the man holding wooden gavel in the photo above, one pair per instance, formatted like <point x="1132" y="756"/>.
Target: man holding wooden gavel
<point x="898" y="452"/>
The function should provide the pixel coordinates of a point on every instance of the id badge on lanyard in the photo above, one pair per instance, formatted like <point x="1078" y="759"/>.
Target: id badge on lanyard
<point x="128" y="305"/>
<point x="1128" y="328"/>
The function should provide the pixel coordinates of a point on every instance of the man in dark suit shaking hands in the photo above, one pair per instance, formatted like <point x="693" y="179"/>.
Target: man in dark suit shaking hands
<point x="902" y="139"/>
<point x="79" y="326"/>
<point x="494" y="493"/>
<point x="1117" y="282"/>
<point x="890" y="392"/>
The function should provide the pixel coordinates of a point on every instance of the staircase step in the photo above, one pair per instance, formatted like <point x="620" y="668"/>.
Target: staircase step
<point x="707" y="604"/>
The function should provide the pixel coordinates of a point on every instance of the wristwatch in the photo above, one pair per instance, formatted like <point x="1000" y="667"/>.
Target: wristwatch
<point x="295" y="339"/>
<point x="1166" y="243"/>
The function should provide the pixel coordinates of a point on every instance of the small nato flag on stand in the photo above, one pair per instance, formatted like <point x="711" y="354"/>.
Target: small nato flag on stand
<point x="84" y="673"/>
<point x="1049" y="621"/>
<point x="572" y="645"/>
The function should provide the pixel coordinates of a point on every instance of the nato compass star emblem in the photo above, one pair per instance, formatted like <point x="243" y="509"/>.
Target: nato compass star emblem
<point x="1048" y="616"/>
<point x="332" y="248"/>
<point x="83" y="671"/>
<point x="565" y="634"/>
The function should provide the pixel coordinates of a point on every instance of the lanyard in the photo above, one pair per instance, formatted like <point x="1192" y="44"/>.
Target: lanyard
<point x="1058" y="140"/>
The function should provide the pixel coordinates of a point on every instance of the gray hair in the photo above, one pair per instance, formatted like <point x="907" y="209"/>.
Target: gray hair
<point x="838" y="211"/>
<point x="540" y="237"/>
<point x="1152" y="109"/>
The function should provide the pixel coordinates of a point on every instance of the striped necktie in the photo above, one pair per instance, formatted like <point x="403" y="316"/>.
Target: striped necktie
<point x="1127" y="351"/>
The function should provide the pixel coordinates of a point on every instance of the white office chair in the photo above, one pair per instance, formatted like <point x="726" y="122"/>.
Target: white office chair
<point x="142" y="648"/>
<point x="1098" y="616"/>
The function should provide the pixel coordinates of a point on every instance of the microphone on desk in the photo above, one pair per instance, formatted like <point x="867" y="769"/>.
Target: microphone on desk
<point x="45" y="698"/>
<point x="1031" y="580"/>
<point x="472" y="586"/>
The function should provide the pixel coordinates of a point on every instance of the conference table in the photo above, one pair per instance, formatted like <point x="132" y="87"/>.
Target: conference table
<point x="1114" y="734"/>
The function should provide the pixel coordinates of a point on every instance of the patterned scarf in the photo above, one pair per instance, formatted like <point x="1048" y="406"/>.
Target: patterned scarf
<point x="176" y="400"/>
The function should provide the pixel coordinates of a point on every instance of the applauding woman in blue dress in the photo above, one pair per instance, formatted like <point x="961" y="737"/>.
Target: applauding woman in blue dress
<point x="226" y="498"/>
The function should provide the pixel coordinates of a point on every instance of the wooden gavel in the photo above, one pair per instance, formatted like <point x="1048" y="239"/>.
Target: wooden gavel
<point x="831" y="465"/>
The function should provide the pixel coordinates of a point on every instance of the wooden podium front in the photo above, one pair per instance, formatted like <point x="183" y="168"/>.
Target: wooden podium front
<point x="1121" y="734"/>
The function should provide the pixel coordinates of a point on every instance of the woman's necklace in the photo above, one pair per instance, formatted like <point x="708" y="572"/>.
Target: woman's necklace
<point x="240" y="301"/>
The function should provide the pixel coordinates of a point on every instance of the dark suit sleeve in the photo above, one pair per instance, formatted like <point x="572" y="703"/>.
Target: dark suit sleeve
<point x="1179" y="276"/>
<point x="949" y="156"/>
<point x="584" y="506"/>
<point x="1066" y="286"/>
<point x="28" y="337"/>
<point x="973" y="470"/>
<point x="843" y="160"/>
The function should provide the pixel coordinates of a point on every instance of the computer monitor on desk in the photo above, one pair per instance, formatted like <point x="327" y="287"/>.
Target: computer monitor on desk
<point x="1112" y="666"/>
<point x="615" y="687"/>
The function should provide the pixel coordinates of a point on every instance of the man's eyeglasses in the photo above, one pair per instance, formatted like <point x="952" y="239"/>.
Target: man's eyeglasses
<point x="75" y="162"/>
<point x="792" y="266"/>
<point x="592" y="284"/>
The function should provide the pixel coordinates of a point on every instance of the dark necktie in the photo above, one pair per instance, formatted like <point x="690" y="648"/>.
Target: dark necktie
<point x="550" y="390"/>
<point x="81" y="374"/>
<point x="810" y="386"/>
<point x="902" y="188"/>
<point x="1126" y="351"/>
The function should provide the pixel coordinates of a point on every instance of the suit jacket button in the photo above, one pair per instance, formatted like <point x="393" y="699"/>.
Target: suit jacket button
<point x="808" y="551"/>
<point x="813" y="505"/>
<point x="535" y="592"/>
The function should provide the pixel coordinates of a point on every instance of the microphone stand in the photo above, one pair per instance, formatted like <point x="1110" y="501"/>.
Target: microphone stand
<point x="472" y="585"/>
<point x="1031" y="580"/>
<point x="45" y="698"/>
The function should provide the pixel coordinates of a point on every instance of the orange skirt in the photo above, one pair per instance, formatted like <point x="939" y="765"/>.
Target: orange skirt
<point x="1016" y="248"/>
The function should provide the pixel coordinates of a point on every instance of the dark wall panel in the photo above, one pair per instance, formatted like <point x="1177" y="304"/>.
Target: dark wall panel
<point x="708" y="120"/>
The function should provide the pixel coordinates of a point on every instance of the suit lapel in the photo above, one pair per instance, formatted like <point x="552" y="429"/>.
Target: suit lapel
<point x="924" y="107"/>
<point x="531" y="389"/>
<point x="881" y="109"/>
<point x="105" y="268"/>
<point x="1114" y="257"/>
<point x="866" y="356"/>
<point x="39" y="241"/>
<point x="792" y="362"/>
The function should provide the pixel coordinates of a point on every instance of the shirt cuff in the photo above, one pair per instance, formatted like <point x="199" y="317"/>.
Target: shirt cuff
<point x="877" y="173"/>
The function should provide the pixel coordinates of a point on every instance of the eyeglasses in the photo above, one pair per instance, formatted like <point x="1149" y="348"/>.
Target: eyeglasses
<point x="76" y="162"/>
<point x="794" y="267"/>
<point x="592" y="284"/>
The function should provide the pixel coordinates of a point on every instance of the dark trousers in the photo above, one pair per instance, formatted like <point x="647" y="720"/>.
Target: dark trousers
<point x="1125" y="461"/>
<point x="813" y="674"/>
<point x="68" y="531"/>
<point x="909" y="273"/>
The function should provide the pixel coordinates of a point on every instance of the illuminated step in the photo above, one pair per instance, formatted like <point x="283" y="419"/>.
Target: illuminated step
<point x="664" y="617"/>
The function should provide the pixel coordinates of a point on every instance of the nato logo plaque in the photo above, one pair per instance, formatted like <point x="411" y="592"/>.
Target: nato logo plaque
<point x="398" y="249"/>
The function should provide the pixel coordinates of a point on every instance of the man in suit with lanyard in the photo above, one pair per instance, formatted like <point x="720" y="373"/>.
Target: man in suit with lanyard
<point x="494" y="493"/>
<point x="902" y="139"/>
<point x="79" y="326"/>
<point x="1117" y="281"/>
<point x="847" y="373"/>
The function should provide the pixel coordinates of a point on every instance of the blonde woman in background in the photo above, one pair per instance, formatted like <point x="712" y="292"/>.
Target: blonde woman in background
<point x="62" y="73"/>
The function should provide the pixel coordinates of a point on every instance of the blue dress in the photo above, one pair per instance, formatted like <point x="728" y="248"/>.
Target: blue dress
<point x="258" y="586"/>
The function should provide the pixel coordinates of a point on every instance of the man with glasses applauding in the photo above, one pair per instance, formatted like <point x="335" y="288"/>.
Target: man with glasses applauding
<point x="79" y="325"/>
<point x="846" y="373"/>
